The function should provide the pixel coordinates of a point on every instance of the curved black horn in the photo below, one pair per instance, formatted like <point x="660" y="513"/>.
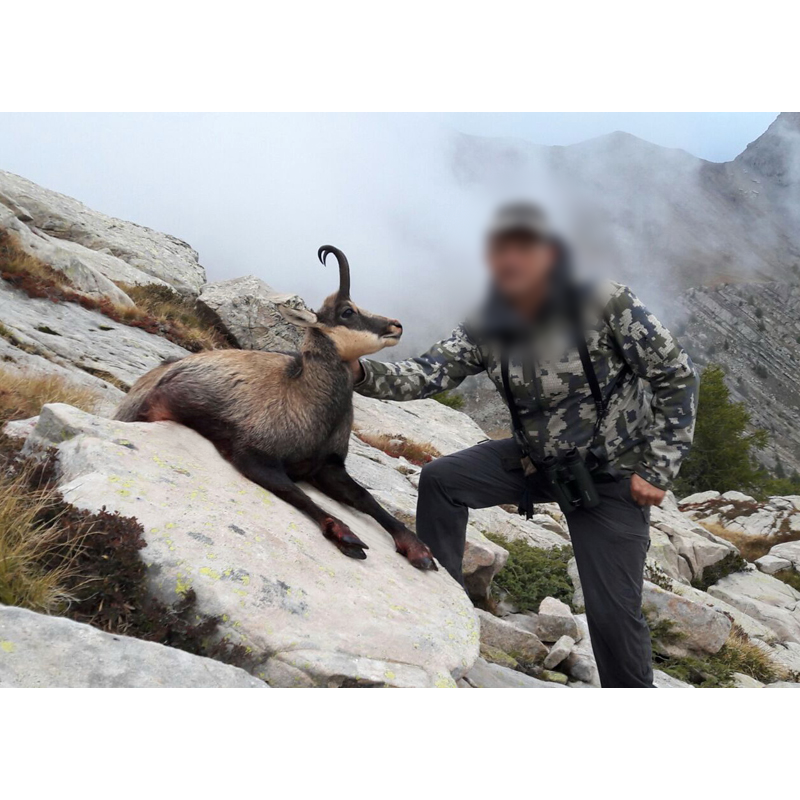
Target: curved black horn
<point x="344" y="267"/>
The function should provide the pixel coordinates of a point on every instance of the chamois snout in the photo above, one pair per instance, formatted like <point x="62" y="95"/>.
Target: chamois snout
<point x="357" y="332"/>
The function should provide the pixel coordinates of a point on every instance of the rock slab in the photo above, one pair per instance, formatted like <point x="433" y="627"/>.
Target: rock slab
<point x="37" y="651"/>
<point x="493" y="676"/>
<point x="693" y="628"/>
<point x="247" y="309"/>
<point x="317" y="617"/>
<point x="522" y="645"/>
<point x="766" y="599"/>
<point x="70" y="234"/>
<point x="555" y="621"/>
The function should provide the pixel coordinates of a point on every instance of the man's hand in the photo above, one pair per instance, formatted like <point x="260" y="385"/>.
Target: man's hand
<point x="358" y="371"/>
<point x="644" y="493"/>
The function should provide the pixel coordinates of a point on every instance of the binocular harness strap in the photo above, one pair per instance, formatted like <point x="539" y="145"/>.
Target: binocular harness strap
<point x="521" y="437"/>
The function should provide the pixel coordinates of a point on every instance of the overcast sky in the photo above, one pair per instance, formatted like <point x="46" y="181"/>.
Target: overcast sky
<point x="259" y="193"/>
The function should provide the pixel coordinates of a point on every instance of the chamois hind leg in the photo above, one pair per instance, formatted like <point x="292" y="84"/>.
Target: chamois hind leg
<point x="334" y="480"/>
<point x="270" y="475"/>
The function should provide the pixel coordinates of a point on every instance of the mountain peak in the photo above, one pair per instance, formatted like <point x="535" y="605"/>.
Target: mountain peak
<point x="776" y="152"/>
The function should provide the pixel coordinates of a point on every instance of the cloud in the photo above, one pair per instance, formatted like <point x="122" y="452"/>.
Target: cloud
<point x="259" y="193"/>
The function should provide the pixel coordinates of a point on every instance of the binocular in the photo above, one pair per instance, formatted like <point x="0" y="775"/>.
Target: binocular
<point x="570" y="481"/>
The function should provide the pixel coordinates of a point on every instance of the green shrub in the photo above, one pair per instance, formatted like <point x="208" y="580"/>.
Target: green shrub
<point x="722" y="456"/>
<point x="733" y="562"/>
<point x="656" y="575"/>
<point x="533" y="573"/>
<point x="450" y="400"/>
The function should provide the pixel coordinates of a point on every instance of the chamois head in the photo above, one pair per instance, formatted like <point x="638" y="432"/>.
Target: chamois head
<point x="354" y="331"/>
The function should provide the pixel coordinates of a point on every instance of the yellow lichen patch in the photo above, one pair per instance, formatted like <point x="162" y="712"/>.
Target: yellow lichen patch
<point x="445" y="682"/>
<point x="181" y="585"/>
<point x="211" y="573"/>
<point x="389" y="675"/>
<point x="7" y="647"/>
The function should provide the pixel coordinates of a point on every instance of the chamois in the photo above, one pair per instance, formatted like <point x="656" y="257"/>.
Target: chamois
<point x="285" y="417"/>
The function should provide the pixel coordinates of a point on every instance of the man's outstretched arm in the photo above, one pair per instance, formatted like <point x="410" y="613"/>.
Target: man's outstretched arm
<point x="442" y="367"/>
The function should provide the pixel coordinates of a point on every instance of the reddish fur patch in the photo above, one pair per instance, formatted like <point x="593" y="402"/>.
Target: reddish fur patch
<point x="159" y="411"/>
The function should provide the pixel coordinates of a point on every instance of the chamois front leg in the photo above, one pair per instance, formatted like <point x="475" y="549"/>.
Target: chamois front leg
<point x="271" y="475"/>
<point x="334" y="480"/>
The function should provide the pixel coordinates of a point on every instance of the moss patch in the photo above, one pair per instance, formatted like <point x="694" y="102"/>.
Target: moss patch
<point x="789" y="577"/>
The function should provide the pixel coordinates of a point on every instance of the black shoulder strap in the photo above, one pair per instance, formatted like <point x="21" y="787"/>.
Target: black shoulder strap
<point x="520" y="436"/>
<point x="591" y="376"/>
<point x="574" y="310"/>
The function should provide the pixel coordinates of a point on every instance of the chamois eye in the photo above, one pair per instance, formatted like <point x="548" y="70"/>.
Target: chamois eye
<point x="348" y="312"/>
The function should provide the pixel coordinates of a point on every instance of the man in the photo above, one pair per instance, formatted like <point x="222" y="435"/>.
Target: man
<point x="573" y="364"/>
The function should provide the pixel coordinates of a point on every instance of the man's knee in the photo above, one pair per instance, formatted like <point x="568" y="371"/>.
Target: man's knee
<point x="437" y="475"/>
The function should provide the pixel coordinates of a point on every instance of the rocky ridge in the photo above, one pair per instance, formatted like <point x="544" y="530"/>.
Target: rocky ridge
<point x="309" y="616"/>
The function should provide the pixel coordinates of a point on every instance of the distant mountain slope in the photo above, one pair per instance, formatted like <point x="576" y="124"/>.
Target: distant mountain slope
<point x="653" y="215"/>
<point x="753" y="331"/>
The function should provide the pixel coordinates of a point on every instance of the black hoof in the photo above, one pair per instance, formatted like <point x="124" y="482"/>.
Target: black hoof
<point x="425" y="563"/>
<point x="352" y="551"/>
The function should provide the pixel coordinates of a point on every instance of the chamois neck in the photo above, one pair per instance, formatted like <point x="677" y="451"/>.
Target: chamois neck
<point x="323" y="375"/>
<point x="319" y="347"/>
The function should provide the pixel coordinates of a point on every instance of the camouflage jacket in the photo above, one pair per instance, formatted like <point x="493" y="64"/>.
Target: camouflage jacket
<point x="647" y="379"/>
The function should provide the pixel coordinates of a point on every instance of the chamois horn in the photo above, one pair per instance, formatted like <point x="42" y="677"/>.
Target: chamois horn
<point x="344" y="267"/>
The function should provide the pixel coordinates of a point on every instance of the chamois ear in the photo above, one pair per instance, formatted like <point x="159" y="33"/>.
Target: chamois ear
<point x="302" y="317"/>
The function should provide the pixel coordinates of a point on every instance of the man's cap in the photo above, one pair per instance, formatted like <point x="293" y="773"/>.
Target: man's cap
<point x="519" y="218"/>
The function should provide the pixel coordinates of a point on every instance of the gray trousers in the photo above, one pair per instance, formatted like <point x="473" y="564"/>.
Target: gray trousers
<point x="610" y="544"/>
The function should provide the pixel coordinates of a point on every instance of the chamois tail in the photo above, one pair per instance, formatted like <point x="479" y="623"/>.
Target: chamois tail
<point x="137" y="403"/>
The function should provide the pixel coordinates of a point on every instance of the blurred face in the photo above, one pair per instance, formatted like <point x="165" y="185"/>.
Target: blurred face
<point x="520" y="265"/>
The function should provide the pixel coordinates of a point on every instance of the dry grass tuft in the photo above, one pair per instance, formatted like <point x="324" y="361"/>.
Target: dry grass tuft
<point x="397" y="446"/>
<point x="172" y="316"/>
<point x="16" y="263"/>
<point x="751" y="547"/>
<point x="26" y="544"/>
<point x="57" y="559"/>
<point x="741" y="654"/>
<point x="189" y="324"/>
<point x="738" y="654"/>
<point x="23" y="395"/>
